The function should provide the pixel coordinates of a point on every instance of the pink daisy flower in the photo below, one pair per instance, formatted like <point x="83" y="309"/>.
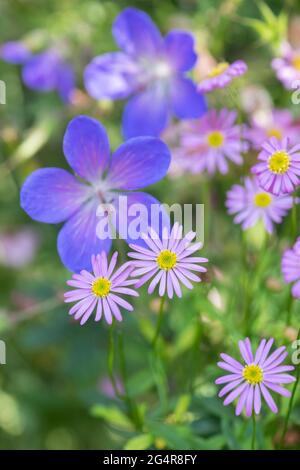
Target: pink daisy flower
<point x="100" y="290"/>
<point x="251" y="379"/>
<point x="279" y="124"/>
<point x="221" y="75"/>
<point x="279" y="166"/>
<point x="167" y="261"/>
<point x="251" y="203"/>
<point x="287" y="67"/>
<point x="290" y="267"/>
<point x="209" y="142"/>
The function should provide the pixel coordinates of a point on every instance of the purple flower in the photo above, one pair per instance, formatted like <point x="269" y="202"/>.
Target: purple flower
<point x="167" y="261"/>
<point x="279" y="166"/>
<point x="100" y="290"/>
<point x="290" y="267"/>
<point x="44" y="72"/>
<point x="287" y="67"/>
<point x="152" y="70"/>
<point x="53" y="195"/>
<point x="251" y="379"/>
<point x="14" y="52"/>
<point x="250" y="203"/>
<point x="279" y="124"/>
<point x="222" y="75"/>
<point x="207" y="144"/>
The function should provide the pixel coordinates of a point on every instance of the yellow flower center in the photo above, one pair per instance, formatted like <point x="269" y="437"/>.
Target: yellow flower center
<point x="166" y="260"/>
<point x="296" y="62"/>
<point x="274" y="132"/>
<point x="218" y="70"/>
<point x="101" y="287"/>
<point x="253" y="374"/>
<point x="262" y="199"/>
<point x="279" y="162"/>
<point x="215" y="139"/>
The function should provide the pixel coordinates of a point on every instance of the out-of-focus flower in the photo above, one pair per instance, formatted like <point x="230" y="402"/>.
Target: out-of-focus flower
<point x="287" y="67"/>
<point x="18" y="248"/>
<point x="107" y="388"/>
<point x="250" y="204"/>
<point x="279" y="166"/>
<point x="222" y="75"/>
<point x="167" y="261"/>
<point x="152" y="70"/>
<point x="100" y="290"/>
<point x="46" y="71"/>
<point x="251" y="379"/>
<point x="279" y="123"/>
<point x="53" y="195"/>
<point x="207" y="144"/>
<point x="14" y="52"/>
<point x="290" y="267"/>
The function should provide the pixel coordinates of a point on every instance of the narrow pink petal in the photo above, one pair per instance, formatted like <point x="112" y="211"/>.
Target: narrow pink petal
<point x="269" y="400"/>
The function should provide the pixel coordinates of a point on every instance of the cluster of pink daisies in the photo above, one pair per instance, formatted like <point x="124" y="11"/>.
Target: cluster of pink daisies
<point x="168" y="262"/>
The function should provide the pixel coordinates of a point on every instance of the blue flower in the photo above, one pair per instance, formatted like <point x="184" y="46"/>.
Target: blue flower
<point x="46" y="71"/>
<point x="53" y="195"/>
<point x="152" y="70"/>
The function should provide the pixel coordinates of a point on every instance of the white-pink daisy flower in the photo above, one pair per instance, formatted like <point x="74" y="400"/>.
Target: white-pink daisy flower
<point x="250" y="203"/>
<point x="278" y="169"/>
<point x="167" y="261"/>
<point x="254" y="377"/>
<point x="100" y="290"/>
<point x="208" y="143"/>
<point x="221" y="75"/>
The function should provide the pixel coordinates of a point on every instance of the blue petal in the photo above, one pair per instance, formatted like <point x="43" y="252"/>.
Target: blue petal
<point x="52" y="195"/>
<point x="86" y="147"/>
<point x="187" y="102"/>
<point x="40" y="71"/>
<point x="180" y="50"/>
<point x="137" y="163"/>
<point x="146" y="113"/>
<point x="14" y="52"/>
<point x="65" y="82"/>
<point x="111" y="76"/>
<point x="78" y="241"/>
<point x="136" y="34"/>
<point x="143" y="209"/>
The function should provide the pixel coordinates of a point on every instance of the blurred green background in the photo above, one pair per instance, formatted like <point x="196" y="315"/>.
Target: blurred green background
<point x="54" y="389"/>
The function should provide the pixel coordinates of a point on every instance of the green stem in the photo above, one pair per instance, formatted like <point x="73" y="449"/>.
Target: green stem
<point x="246" y="288"/>
<point x="287" y="417"/>
<point x="289" y="309"/>
<point x="253" y="431"/>
<point x="294" y="219"/>
<point x="111" y="360"/>
<point x="159" y="321"/>
<point x="132" y="408"/>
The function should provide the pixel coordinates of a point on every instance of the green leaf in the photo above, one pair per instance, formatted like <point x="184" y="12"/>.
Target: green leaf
<point x="112" y="415"/>
<point x="141" y="442"/>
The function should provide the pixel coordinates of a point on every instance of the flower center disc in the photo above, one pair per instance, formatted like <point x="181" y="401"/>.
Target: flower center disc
<point x="101" y="287"/>
<point x="274" y="132"/>
<point x="253" y="374"/>
<point x="262" y="199"/>
<point x="279" y="162"/>
<point x="218" y="70"/>
<point x="166" y="259"/>
<point x="215" y="139"/>
<point x="296" y="62"/>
